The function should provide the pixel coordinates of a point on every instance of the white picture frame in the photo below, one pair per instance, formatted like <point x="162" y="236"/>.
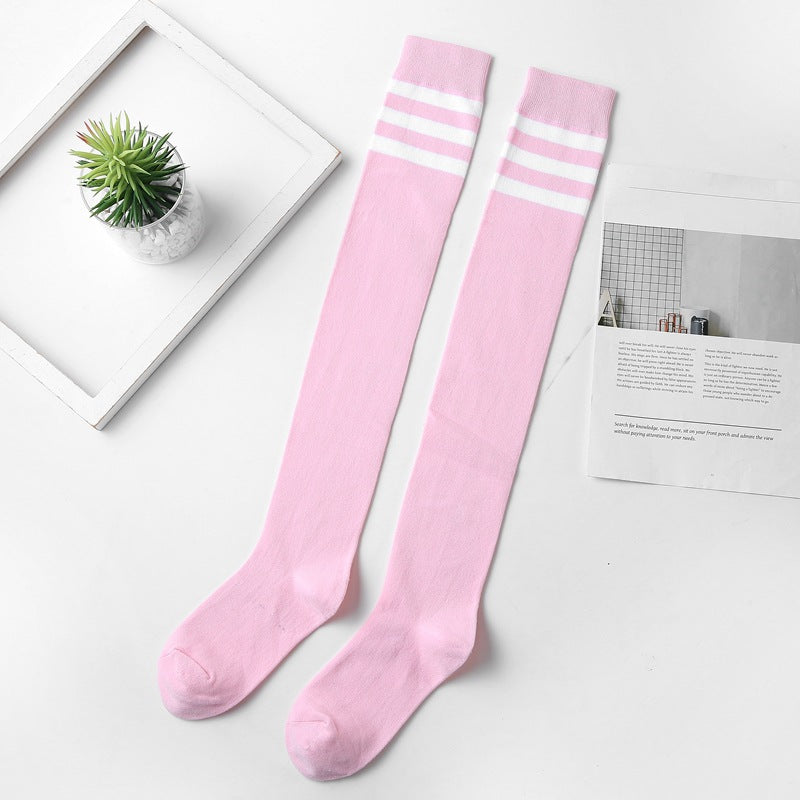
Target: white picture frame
<point x="98" y="408"/>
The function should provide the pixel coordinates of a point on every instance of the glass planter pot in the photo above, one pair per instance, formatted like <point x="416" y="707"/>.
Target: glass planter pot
<point x="173" y="236"/>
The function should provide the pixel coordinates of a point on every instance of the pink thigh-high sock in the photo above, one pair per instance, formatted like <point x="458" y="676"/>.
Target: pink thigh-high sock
<point x="423" y="626"/>
<point x="297" y="575"/>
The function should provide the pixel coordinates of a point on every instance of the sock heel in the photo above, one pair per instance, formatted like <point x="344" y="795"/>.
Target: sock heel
<point x="321" y="589"/>
<point x="446" y="645"/>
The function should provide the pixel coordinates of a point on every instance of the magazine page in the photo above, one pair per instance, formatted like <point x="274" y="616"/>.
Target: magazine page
<point x="697" y="351"/>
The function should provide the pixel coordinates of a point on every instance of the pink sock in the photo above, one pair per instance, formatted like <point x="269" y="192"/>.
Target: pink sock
<point x="423" y="626"/>
<point x="297" y="575"/>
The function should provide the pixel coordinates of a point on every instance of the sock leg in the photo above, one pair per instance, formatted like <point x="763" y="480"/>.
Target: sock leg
<point x="297" y="575"/>
<point x="423" y="627"/>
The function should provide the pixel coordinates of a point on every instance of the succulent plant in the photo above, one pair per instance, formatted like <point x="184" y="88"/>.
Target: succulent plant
<point x="131" y="171"/>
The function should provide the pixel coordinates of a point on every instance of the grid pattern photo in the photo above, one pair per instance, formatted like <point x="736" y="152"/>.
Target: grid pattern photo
<point x="641" y="268"/>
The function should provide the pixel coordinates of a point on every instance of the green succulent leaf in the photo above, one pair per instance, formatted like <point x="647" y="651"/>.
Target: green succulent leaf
<point x="132" y="172"/>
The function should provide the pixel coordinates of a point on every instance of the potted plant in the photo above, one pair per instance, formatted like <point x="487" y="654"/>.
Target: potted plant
<point x="134" y="182"/>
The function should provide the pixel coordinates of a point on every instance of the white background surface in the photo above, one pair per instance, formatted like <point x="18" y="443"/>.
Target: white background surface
<point x="638" y="641"/>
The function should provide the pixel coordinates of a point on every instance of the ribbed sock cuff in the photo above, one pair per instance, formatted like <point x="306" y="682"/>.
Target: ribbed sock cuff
<point x="444" y="67"/>
<point x="567" y="102"/>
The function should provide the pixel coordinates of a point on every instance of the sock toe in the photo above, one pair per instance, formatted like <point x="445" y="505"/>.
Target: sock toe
<point x="318" y="749"/>
<point x="184" y="685"/>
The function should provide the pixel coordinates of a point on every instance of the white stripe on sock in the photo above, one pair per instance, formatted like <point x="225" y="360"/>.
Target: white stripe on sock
<point x="551" y="166"/>
<point x="452" y="102"/>
<point x="425" y="158"/>
<point x="552" y="133"/>
<point x="544" y="197"/>
<point x="428" y="126"/>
